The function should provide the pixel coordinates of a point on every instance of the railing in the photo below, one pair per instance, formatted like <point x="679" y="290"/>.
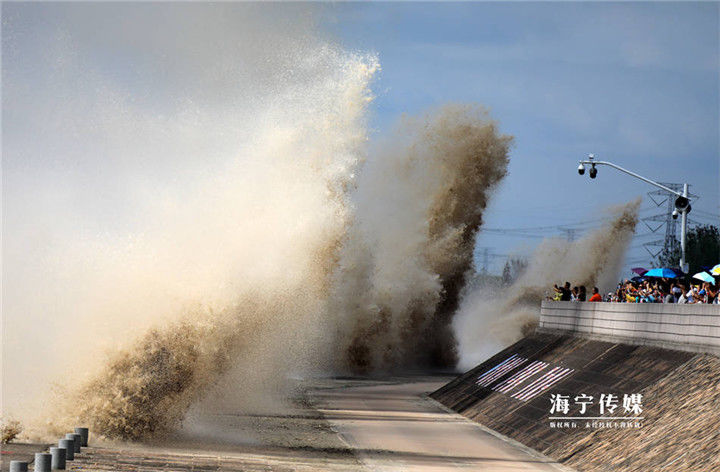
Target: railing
<point x="684" y="327"/>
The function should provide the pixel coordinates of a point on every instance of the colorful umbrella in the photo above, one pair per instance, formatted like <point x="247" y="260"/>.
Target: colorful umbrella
<point x="639" y="270"/>
<point x="715" y="270"/>
<point x="662" y="272"/>
<point x="705" y="277"/>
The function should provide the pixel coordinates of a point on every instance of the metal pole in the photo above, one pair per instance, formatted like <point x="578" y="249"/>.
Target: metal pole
<point x="69" y="445"/>
<point x="43" y="462"/>
<point x="683" y="230"/>
<point x="77" y="440"/>
<point x="84" y="433"/>
<point x="59" y="456"/>
<point x="683" y="233"/>
<point x="18" y="466"/>
<point x="637" y="176"/>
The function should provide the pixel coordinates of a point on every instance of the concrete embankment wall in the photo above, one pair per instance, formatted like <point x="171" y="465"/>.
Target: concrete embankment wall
<point x="511" y="392"/>
<point x="694" y="328"/>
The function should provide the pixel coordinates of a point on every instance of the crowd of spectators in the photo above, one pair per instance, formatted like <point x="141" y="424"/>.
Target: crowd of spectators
<point x="644" y="291"/>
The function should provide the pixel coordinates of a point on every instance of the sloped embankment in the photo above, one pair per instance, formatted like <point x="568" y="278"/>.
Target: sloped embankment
<point x="511" y="393"/>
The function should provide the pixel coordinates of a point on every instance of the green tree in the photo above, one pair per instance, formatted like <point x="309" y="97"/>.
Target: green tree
<point x="702" y="249"/>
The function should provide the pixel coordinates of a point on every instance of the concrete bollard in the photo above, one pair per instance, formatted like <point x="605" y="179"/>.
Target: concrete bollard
<point x="59" y="454"/>
<point x="84" y="434"/>
<point x="43" y="462"/>
<point x="77" y="441"/>
<point x="68" y="444"/>
<point x="18" y="466"/>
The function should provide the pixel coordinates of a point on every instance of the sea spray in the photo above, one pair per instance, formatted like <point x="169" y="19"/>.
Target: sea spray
<point x="488" y="321"/>
<point x="146" y="389"/>
<point x="163" y="240"/>
<point x="419" y="202"/>
<point x="439" y="182"/>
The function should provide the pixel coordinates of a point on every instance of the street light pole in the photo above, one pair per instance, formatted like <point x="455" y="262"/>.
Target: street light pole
<point x="683" y="232"/>
<point x="682" y="204"/>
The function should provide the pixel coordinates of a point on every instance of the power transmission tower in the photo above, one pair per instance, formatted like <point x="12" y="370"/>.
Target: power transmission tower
<point x="670" y="242"/>
<point x="485" y="259"/>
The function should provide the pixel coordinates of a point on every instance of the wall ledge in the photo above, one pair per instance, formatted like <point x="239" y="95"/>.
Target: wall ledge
<point x="693" y="328"/>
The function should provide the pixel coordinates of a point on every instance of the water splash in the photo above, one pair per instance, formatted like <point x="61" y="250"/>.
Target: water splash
<point x="486" y="324"/>
<point x="420" y="204"/>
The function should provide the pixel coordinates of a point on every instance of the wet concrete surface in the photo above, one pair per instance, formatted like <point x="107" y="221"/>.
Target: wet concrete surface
<point x="397" y="427"/>
<point x="19" y="452"/>
<point x="334" y="425"/>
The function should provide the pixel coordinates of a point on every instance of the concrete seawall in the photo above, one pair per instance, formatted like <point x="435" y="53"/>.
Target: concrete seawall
<point x="666" y="354"/>
<point x="694" y="328"/>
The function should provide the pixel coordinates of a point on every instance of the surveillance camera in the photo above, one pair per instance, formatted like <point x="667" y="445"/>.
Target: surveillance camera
<point x="682" y="203"/>
<point x="675" y="214"/>
<point x="593" y="172"/>
<point x="581" y="169"/>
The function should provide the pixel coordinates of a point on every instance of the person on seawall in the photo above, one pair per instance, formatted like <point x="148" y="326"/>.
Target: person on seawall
<point x="596" y="297"/>
<point x="565" y="293"/>
<point x="682" y="299"/>
<point x="676" y="291"/>
<point x="712" y="292"/>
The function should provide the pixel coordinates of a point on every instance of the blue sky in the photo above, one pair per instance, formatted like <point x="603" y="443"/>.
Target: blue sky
<point x="634" y="83"/>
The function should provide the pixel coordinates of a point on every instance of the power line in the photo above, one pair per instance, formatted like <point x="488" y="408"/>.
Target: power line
<point x="707" y="213"/>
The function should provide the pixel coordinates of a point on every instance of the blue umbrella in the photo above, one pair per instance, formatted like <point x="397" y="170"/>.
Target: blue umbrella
<point x="662" y="272"/>
<point x="705" y="277"/>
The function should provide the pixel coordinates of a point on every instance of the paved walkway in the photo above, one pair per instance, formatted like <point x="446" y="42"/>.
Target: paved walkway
<point x="348" y="425"/>
<point x="395" y="427"/>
